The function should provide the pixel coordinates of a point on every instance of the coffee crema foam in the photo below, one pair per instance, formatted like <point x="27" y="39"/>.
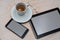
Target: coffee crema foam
<point x="20" y="8"/>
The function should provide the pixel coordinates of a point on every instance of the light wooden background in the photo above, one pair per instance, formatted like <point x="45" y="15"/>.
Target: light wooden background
<point x="39" y="5"/>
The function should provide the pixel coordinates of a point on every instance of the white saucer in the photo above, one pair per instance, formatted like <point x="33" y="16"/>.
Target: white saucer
<point x="26" y="17"/>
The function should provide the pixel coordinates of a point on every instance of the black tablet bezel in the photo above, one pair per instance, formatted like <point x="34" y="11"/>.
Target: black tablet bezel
<point x="14" y="32"/>
<point x="47" y="33"/>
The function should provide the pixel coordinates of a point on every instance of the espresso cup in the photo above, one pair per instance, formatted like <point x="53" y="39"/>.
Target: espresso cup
<point x="21" y="8"/>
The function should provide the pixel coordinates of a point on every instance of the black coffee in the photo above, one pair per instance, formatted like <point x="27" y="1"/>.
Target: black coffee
<point x="20" y="7"/>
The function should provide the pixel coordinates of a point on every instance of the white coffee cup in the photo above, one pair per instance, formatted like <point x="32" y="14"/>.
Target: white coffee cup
<point x="21" y="8"/>
<point x="21" y="16"/>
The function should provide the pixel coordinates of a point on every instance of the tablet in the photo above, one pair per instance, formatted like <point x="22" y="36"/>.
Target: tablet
<point x="17" y="28"/>
<point x="46" y="23"/>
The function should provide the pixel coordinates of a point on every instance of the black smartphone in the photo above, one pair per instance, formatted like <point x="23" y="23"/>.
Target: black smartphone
<point x="17" y="28"/>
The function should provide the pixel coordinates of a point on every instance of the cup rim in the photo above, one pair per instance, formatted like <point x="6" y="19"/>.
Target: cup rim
<point x="23" y="4"/>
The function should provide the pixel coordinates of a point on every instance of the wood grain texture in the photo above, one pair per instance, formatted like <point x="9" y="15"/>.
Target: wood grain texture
<point x="39" y="5"/>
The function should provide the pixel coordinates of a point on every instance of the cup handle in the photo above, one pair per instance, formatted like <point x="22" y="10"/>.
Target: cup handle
<point x="27" y="5"/>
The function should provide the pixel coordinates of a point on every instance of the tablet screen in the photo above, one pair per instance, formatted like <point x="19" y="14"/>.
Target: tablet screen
<point x="46" y="22"/>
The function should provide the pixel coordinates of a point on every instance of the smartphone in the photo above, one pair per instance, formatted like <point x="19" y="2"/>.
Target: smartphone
<point x="17" y="28"/>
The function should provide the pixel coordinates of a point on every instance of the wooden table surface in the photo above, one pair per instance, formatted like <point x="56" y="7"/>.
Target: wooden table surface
<point x="39" y="5"/>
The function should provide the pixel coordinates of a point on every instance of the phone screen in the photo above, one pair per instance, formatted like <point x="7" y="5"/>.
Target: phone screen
<point x="17" y="28"/>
